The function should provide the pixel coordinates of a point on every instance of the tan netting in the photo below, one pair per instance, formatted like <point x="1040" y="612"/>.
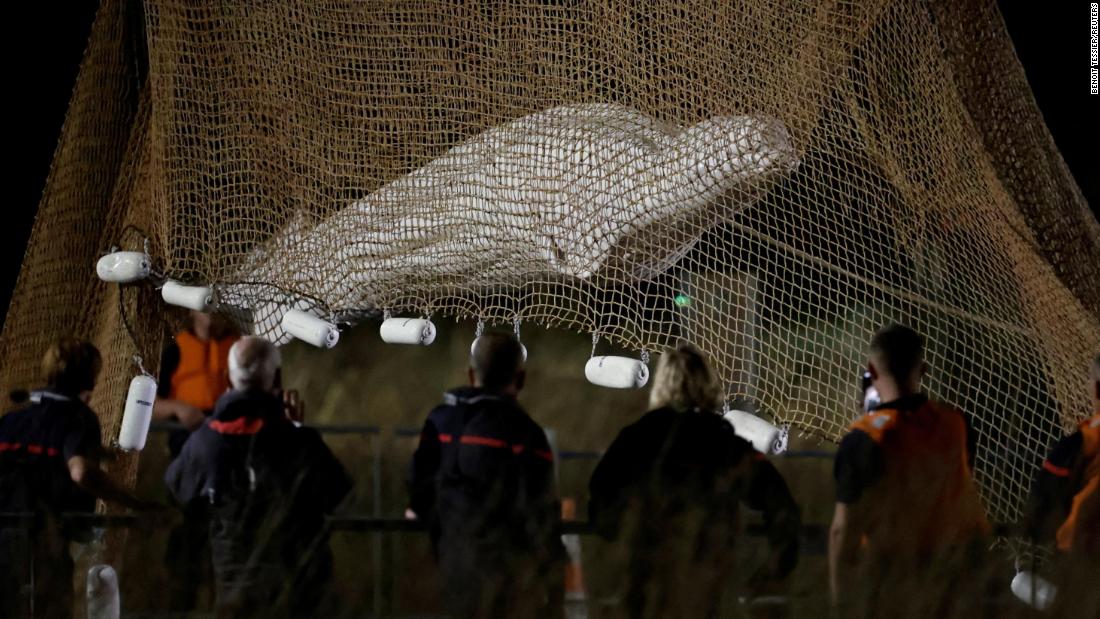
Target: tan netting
<point x="770" y="179"/>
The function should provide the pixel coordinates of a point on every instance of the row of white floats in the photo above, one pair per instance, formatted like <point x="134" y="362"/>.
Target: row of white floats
<point x="606" y="371"/>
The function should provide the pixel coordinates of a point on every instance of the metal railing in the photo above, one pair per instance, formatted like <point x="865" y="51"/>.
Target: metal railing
<point x="373" y="522"/>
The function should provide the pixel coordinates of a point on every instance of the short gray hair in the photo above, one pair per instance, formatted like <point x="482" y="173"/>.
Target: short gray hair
<point x="253" y="362"/>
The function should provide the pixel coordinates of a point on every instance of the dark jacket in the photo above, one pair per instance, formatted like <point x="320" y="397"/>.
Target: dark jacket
<point x="495" y="485"/>
<point x="1064" y="495"/>
<point x="444" y="422"/>
<point x="36" y="444"/>
<point x="668" y="489"/>
<point x="697" y="460"/>
<point x="495" y="509"/>
<point x="268" y="485"/>
<point x="666" y="462"/>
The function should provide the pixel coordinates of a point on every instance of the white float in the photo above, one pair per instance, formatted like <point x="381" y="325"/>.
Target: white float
<point x="309" y="328"/>
<point x="197" y="298"/>
<point x="102" y="593"/>
<point x="616" y="372"/>
<point x="123" y="267"/>
<point x="138" y="413"/>
<point x="765" y="437"/>
<point x="416" y="331"/>
<point x="1033" y="590"/>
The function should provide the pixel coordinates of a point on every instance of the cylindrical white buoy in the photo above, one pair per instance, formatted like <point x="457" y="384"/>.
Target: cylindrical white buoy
<point x="102" y="593"/>
<point x="197" y="298"/>
<point x="309" y="328"/>
<point x="123" y="267"/>
<point x="616" y="372"/>
<point x="764" y="436"/>
<point x="138" y="413"/>
<point x="419" y="331"/>
<point x="1033" y="590"/>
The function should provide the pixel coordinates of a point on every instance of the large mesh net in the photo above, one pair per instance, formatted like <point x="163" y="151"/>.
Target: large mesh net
<point x="770" y="179"/>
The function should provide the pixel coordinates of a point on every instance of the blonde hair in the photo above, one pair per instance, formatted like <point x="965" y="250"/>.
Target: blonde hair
<point x="71" y="365"/>
<point x="685" y="381"/>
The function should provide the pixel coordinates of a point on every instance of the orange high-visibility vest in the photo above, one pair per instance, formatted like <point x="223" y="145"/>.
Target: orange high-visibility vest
<point x="925" y="499"/>
<point x="202" y="375"/>
<point x="1073" y="529"/>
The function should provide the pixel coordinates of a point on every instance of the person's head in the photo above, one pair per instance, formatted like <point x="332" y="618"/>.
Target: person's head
<point x="253" y="362"/>
<point x="1094" y="383"/>
<point x="897" y="361"/>
<point x="496" y="364"/>
<point x="211" y="326"/>
<point x="200" y="323"/>
<point x="71" y="366"/>
<point x="685" y="381"/>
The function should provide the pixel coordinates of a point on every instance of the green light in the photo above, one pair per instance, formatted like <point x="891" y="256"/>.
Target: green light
<point x="682" y="300"/>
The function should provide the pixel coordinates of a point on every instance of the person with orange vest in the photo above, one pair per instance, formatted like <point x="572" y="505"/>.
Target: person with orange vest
<point x="194" y="373"/>
<point x="1064" y="507"/>
<point x="908" y="517"/>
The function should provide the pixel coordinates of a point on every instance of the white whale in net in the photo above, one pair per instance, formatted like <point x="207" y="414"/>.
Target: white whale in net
<point x="564" y="193"/>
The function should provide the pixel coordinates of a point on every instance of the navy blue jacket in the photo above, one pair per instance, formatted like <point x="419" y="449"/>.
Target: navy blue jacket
<point x="268" y="485"/>
<point x="484" y="474"/>
<point x="444" y="422"/>
<point x="36" y="443"/>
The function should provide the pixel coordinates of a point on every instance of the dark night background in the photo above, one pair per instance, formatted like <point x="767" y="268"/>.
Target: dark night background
<point x="47" y="37"/>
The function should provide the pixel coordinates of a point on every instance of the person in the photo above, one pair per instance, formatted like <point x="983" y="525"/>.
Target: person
<point x="267" y="485"/>
<point x="908" y="519"/>
<point x="1064" y="508"/>
<point x="483" y="474"/>
<point x="194" y="373"/>
<point x="669" y="489"/>
<point x="50" y="451"/>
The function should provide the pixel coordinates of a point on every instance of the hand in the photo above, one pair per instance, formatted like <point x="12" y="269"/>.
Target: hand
<point x="410" y="514"/>
<point x="190" y="416"/>
<point x="293" y="406"/>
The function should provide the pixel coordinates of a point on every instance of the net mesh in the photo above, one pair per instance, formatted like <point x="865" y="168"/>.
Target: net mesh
<point x="772" y="180"/>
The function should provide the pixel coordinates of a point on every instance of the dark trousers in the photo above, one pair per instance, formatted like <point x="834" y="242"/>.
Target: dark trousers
<point x="480" y="582"/>
<point x="1078" y="580"/>
<point x="36" y="575"/>
<point x="187" y="559"/>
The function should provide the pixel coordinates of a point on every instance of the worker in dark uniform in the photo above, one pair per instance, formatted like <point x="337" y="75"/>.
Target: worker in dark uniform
<point x="1065" y="508"/>
<point x="49" y="464"/>
<point x="908" y="529"/>
<point x="669" y="490"/>
<point x="495" y="509"/>
<point x="444" y="422"/>
<point x="268" y="485"/>
<point x="194" y="373"/>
